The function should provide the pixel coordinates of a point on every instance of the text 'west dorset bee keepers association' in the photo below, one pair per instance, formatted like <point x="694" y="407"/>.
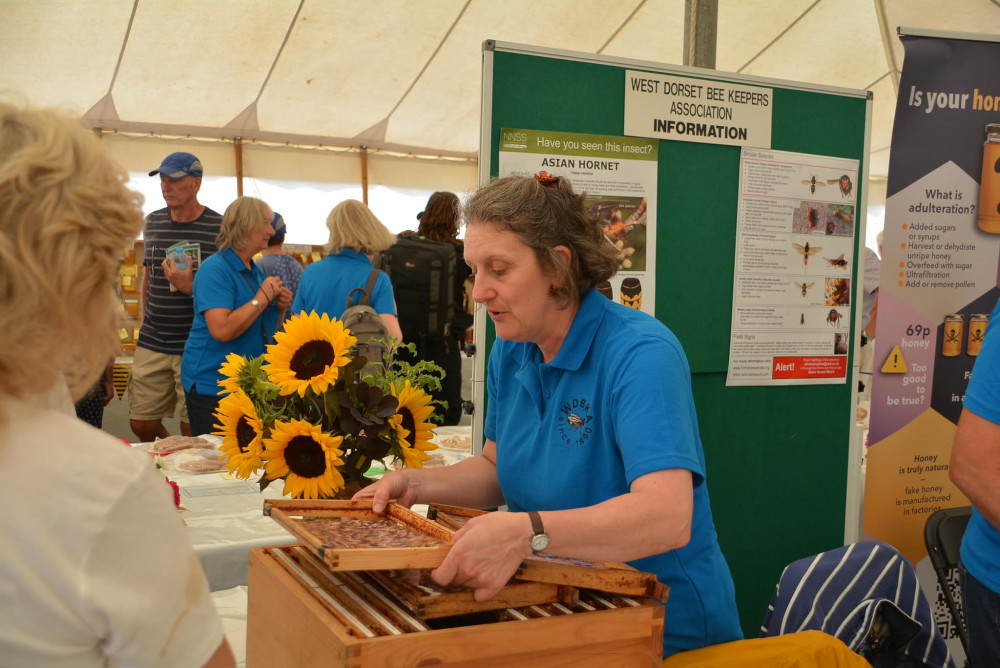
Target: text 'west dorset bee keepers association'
<point x="662" y="106"/>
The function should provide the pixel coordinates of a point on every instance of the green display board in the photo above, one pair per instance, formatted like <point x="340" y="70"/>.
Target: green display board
<point x="777" y="456"/>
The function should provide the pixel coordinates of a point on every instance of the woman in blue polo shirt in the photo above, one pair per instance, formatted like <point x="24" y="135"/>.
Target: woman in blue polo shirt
<point x="355" y="236"/>
<point x="236" y="307"/>
<point x="591" y="433"/>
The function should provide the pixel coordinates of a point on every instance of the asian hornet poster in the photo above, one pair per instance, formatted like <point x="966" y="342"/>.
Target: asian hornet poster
<point x="618" y="177"/>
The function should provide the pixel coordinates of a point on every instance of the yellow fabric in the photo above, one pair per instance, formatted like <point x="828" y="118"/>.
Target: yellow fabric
<point x="793" y="650"/>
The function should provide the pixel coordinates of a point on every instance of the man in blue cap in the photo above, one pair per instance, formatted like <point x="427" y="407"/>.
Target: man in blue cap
<point x="155" y="388"/>
<point x="275" y="262"/>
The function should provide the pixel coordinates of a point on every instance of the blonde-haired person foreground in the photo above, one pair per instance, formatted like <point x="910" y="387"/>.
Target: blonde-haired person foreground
<point x="355" y="236"/>
<point x="96" y="567"/>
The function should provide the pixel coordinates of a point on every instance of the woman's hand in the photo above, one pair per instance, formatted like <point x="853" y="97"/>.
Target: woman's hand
<point x="269" y="290"/>
<point x="283" y="299"/>
<point x="398" y="485"/>
<point x="486" y="553"/>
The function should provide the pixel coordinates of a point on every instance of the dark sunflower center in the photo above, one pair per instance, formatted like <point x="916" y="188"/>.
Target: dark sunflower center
<point x="409" y="424"/>
<point x="311" y="359"/>
<point x="244" y="434"/>
<point x="305" y="457"/>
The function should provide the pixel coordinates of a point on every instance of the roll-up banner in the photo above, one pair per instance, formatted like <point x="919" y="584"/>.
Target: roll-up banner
<point x="938" y="283"/>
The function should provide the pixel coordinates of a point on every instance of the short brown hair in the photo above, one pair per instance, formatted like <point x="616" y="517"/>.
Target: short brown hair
<point x="353" y="225"/>
<point x="546" y="216"/>
<point x="66" y="219"/>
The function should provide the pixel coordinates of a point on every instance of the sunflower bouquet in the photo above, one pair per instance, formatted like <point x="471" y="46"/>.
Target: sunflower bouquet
<point x="314" y="414"/>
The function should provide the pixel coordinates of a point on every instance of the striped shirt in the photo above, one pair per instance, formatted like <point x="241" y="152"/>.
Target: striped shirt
<point x="168" y="316"/>
<point x="842" y="592"/>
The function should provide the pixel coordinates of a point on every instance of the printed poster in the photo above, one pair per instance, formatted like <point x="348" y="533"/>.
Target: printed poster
<point x="792" y="287"/>
<point x="938" y="285"/>
<point x="618" y="176"/>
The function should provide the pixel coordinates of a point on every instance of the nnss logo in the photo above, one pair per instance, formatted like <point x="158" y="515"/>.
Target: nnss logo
<point x="574" y="422"/>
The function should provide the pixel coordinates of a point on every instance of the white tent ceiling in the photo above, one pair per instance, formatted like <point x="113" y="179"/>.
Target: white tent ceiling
<point x="403" y="76"/>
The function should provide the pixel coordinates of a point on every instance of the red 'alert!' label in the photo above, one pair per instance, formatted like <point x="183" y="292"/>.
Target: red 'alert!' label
<point x="809" y="367"/>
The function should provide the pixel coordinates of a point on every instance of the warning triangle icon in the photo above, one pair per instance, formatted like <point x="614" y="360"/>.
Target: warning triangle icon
<point x="895" y="363"/>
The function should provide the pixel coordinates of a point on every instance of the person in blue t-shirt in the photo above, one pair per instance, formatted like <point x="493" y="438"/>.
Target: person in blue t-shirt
<point x="591" y="432"/>
<point x="975" y="469"/>
<point x="236" y="308"/>
<point x="355" y="236"/>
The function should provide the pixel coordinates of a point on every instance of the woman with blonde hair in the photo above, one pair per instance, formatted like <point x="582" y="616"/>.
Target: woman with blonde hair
<point x="96" y="568"/>
<point x="237" y="307"/>
<point x="356" y="235"/>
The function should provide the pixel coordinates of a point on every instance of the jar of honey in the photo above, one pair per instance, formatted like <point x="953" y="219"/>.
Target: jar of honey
<point x="951" y="343"/>
<point x="977" y="328"/>
<point x="988" y="213"/>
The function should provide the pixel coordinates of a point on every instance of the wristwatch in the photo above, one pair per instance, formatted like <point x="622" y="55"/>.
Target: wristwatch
<point x="539" y="539"/>
<point x="256" y="305"/>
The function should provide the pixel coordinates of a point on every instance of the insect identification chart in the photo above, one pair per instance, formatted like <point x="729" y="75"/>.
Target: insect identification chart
<point x="794" y="261"/>
<point x="618" y="177"/>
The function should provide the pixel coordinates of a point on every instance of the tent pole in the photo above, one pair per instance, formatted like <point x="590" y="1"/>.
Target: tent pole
<point x="701" y="19"/>
<point x="238" y="144"/>
<point x="364" y="174"/>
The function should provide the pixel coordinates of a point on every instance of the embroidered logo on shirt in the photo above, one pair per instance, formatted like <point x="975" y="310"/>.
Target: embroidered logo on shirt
<point x="574" y="422"/>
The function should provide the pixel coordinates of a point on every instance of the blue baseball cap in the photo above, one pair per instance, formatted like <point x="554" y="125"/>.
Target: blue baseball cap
<point x="278" y="223"/>
<point x="178" y="165"/>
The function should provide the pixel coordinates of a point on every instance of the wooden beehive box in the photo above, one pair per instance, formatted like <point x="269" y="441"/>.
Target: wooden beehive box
<point x="311" y="604"/>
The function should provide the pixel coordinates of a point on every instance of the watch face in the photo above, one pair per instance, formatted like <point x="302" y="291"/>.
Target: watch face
<point x="539" y="542"/>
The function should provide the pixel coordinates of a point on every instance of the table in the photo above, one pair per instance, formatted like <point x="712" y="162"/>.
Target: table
<point x="224" y="516"/>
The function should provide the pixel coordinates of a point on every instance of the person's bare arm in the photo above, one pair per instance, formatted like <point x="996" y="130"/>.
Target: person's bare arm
<point x="223" y="657"/>
<point x="392" y="324"/>
<point x="653" y="517"/>
<point x="975" y="464"/>
<point x="227" y="324"/>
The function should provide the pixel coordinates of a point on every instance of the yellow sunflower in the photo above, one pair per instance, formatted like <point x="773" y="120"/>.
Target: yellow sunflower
<point x="241" y="431"/>
<point x="411" y="426"/>
<point x="308" y="354"/>
<point x="305" y="457"/>
<point x="231" y="369"/>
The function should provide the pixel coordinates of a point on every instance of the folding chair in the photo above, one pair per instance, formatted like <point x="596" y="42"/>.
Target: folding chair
<point x="943" y="534"/>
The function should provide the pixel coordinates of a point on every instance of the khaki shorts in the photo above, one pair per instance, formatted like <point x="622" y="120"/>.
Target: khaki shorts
<point x="154" y="386"/>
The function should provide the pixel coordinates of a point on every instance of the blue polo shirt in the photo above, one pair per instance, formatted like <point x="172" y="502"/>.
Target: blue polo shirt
<point x="981" y="542"/>
<point x="615" y="404"/>
<point x="223" y="281"/>
<point x="325" y="284"/>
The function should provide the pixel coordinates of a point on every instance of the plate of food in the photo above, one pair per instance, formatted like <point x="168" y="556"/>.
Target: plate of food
<point x="172" y="444"/>
<point x="199" y="461"/>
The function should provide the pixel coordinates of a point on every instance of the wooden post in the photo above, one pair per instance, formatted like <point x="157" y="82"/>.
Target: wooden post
<point x="364" y="174"/>
<point x="238" y="143"/>
<point x="701" y="18"/>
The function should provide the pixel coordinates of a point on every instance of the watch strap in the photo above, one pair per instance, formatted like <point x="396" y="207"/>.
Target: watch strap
<point x="536" y="523"/>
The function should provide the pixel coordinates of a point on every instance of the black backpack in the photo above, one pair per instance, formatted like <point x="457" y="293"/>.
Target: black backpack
<point x="422" y="272"/>
<point x="365" y="323"/>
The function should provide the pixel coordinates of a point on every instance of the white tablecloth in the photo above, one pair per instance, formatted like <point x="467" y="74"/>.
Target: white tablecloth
<point x="225" y="519"/>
